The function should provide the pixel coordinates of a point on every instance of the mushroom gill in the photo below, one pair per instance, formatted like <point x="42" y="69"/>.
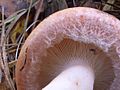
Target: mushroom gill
<point x="81" y="40"/>
<point x="69" y="53"/>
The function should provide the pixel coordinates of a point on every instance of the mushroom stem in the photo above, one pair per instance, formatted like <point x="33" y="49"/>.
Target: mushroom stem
<point x="74" y="78"/>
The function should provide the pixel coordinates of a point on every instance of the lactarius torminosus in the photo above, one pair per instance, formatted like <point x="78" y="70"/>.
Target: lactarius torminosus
<point x="73" y="49"/>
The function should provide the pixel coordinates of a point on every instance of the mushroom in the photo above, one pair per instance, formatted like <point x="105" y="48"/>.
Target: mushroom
<point x="73" y="49"/>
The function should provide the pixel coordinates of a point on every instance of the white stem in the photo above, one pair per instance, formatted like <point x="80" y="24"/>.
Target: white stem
<point x="74" y="78"/>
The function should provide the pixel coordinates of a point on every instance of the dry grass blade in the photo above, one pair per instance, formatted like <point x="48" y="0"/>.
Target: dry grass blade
<point x="62" y="4"/>
<point x="14" y="22"/>
<point x="4" y="56"/>
<point x="24" y="30"/>
<point x="27" y="17"/>
<point x="39" y="10"/>
<point x="12" y="63"/>
<point x="108" y="7"/>
<point x="74" y="3"/>
<point x="13" y="16"/>
<point x="20" y="41"/>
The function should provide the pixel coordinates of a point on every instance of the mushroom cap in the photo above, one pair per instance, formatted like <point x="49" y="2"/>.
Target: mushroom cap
<point x="80" y="24"/>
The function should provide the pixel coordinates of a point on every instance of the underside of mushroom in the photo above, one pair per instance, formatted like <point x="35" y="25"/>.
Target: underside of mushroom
<point x="94" y="68"/>
<point x="73" y="49"/>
